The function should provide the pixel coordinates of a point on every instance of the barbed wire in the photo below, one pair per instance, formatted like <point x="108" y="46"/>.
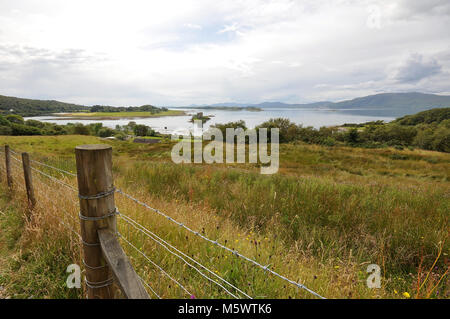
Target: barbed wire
<point x="160" y="242"/>
<point x="234" y="252"/>
<point x="16" y="159"/>
<point x="148" y="286"/>
<point x="149" y="233"/>
<point x="13" y="151"/>
<point x="154" y="264"/>
<point x="53" y="167"/>
<point x="42" y="164"/>
<point x="55" y="179"/>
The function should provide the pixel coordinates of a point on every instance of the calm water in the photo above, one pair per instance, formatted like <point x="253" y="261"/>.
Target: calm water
<point x="307" y="117"/>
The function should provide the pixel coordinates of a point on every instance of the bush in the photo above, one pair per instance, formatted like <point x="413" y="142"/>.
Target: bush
<point x="5" y="130"/>
<point x="106" y="132"/>
<point x="140" y="130"/>
<point x="288" y="130"/>
<point x="80" y="129"/>
<point x="20" y="129"/>
<point x="352" y="136"/>
<point x="121" y="136"/>
<point x="14" y="118"/>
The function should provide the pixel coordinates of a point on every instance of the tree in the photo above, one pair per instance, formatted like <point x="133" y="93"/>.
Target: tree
<point x="80" y="129"/>
<point x="106" y="132"/>
<point x="288" y="130"/>
<point x="140" y="130"/>
<point x="13" y="118"/>
<point x="352" y="136"/>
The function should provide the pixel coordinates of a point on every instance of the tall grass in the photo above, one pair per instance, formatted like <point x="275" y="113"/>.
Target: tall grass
<point x="328" y="214"/>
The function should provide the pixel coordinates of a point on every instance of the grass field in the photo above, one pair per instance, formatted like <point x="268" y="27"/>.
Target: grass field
<point x="115" y="115"/>
<point x="327" y="214"/>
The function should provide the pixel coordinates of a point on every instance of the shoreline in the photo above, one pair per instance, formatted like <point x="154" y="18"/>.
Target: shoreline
<point x="71" y="116"/>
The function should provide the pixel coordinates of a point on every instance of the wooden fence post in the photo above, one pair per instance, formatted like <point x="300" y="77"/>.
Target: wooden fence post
<point x="97" y="211"/>
<point x="28" y="180"/>
<point x="8" y="167"/>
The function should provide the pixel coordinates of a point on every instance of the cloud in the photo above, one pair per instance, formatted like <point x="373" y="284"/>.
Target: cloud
<point x="407" y="9"/>
<point x="184" y="52"/>
<point x="193" y="26"/>
<point x="416" y="68"/>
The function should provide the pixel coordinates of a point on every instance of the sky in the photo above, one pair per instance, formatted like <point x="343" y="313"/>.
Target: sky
<point x="177" y="53"/>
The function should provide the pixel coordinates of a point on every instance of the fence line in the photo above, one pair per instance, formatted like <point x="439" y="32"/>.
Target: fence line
<point x="55" y="168"/>
<point x="164" y="244"/>
<point x="155" y="264"/>
<point x="149" y="287"/>
<point x="172" y="250"/>
<point x="55" y="179"/>
<point x="58" y="219"/>
<point x="192" y="266"/>
<point x="234" y="252"/>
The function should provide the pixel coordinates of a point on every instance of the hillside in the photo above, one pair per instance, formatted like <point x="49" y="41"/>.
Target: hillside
<point x="31" y="107"/>
<point x="398" y="103"/>
<point x="383" y="104"/>
<point x="435" y="116"/>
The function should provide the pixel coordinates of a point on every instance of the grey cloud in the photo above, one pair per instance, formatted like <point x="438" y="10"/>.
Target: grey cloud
<point x="416" y="68"/>
<point x="415" y="8"/>
<point x="27" y="54"/>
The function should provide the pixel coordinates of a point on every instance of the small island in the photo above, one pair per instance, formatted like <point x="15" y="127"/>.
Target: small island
<point x="200" y="117"/>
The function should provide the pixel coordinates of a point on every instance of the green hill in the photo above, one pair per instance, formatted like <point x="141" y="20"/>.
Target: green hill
<point x="31" y="107"/>
<point x="435" y="116"/>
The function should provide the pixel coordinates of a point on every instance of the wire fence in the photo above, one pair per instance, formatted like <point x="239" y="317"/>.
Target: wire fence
<point x="65" y="210"/>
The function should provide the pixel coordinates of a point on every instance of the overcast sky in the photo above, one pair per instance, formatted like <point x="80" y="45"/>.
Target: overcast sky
<point x="198" y="52"/>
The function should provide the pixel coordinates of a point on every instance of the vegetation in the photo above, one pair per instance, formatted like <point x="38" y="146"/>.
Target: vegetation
<point x="32" y="107"/>
<point x="200" y="117"/>
<point x="115" y="115"/>
<point x="29" y="107"/>
<point x="327" y="214"/>
<point x="114" y="109"/>
<point x="427" y="130"/>
<point x="15" y="125"/>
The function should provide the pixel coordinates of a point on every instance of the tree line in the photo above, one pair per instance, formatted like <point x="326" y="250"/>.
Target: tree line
<point x="429" y="130"/>
<point x="15" y="125"/>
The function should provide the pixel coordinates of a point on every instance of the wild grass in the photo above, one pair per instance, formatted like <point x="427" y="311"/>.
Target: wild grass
<point x="322" y="219"/>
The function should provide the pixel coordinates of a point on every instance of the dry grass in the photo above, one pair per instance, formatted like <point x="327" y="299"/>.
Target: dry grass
<point x="334" y="269"/>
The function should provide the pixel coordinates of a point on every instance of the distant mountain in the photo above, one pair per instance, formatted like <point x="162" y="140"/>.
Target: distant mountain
<point x="383" y="104"/>
<point x="266" y="105"/>
<point x="30" y="107"/>
<point x="393" y="104"/>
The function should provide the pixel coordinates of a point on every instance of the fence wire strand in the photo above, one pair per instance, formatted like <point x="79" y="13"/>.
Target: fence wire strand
<point x="160" y="242"/>
<point x="154" y="264"/>
<point x="53" y="167"/>
<point x="234" y="252"/>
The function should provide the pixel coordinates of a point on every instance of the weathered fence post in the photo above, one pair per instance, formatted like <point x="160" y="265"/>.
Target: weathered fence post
<point x="8" y="166"/>
<point x="97" y="211"/>
<point x="28" y="180"/>
<point x="103" y="255"/>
